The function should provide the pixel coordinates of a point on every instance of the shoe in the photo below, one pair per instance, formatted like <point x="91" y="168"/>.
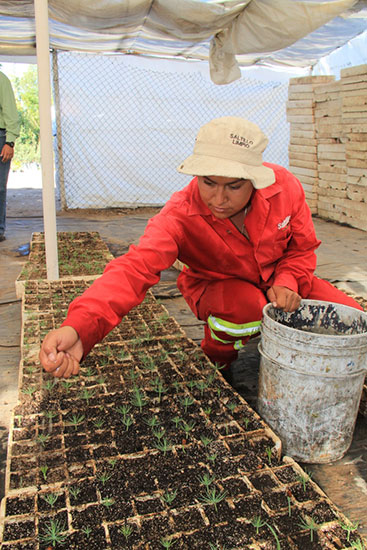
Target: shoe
<point x="2" y="238"/>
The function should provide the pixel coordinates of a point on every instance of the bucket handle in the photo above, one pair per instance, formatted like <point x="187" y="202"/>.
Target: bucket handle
<point x="304" y="373"/>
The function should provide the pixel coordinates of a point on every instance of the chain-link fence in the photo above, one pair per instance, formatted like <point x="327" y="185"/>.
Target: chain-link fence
<point x="121" y="130"/>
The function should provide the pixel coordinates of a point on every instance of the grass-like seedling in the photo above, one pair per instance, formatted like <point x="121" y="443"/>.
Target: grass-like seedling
<point x="258" y="522"/>
<point x="50" y="498"/>
<point x="104" y="477"/>
<point x="126" y="530"/>
<point x="310" y="525"/>
<point x="108" y="502"/>
<point x="42" y="439"/>
<point x="87" y="531"/>
<point x="53" y="533"/>
<point x="187" y="401"/>
<point x="163" y="445"/>
<point x="74" y="491"/>
<point x="304" y="479"/>
<point x="138" y="399"/>
<point x="349" y="527"/>
<point x="76" y="419"/>
<point x="358" y="544"/>
<point x="205" y="440"/>
<point x="213" y="496"/>
<point x="44" y="470"/>
<point x="167" y="543"/>
<point x="206" y="480"/>
<point x="168" y="497"/>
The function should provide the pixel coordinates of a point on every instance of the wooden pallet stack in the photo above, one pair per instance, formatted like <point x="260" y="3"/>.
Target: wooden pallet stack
<point x="303" y="142"/>
<point x="354" y="119"/>
<point x="332" y="187"/>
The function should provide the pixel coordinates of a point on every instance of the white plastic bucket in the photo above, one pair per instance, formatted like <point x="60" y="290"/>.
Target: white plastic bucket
<point x="312" y="368"/>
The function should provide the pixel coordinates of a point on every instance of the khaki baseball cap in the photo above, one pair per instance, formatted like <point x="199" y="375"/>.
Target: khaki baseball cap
<point x="230" y="147"/>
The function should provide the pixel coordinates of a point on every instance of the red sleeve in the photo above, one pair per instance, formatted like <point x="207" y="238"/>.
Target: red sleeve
<point x="124" y="282"/>
<point x="296" y="268"/>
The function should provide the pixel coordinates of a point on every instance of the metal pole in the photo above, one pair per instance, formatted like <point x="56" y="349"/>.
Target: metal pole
<point x="47" y="164"/>
<point x="60" y="156"/>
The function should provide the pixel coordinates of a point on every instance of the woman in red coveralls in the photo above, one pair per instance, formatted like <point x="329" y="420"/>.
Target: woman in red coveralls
<point x="245" y="234"/>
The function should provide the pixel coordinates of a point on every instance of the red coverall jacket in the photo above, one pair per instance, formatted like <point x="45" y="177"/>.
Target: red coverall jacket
<point x="280" y="252"/>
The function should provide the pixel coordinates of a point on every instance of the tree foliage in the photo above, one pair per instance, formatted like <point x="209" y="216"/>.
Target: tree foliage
<point x="27" y="149"/>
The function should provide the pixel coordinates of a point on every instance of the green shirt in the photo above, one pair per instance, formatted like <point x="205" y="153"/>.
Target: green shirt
<point x="9" y="118"/>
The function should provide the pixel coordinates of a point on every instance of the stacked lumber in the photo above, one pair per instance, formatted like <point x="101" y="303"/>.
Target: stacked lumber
<point x="332" y="186"/>
<point x="303" y="142"/>
<point x="354" y="118"/>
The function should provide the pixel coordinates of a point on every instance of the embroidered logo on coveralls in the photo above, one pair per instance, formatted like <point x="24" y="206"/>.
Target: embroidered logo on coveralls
<point x="285" y="222"/>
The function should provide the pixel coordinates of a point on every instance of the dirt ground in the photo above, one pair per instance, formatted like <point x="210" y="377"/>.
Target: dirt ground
<point x="342" y="259"/>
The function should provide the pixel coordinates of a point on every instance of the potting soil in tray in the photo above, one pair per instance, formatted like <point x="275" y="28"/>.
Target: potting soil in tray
<point x="148" y="448"/>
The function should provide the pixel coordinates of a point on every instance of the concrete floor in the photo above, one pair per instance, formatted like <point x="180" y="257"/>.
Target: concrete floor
<point x="342" y="259"/>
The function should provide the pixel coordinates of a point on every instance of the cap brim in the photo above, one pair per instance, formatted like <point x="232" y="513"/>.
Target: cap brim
<point x="199" y="165"/>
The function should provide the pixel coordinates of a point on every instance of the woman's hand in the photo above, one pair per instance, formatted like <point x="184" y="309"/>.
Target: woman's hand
<point x="283" y="298"/>
<point x="61" y="352"/>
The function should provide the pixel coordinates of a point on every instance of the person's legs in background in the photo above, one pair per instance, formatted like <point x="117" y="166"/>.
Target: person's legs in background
<point x="232" y="310"/>
<point x="325" y="291"/>
<point x="4" y="173"/>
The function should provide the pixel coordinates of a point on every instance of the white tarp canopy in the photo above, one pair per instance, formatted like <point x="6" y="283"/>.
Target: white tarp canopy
<point x="228" y="33"/>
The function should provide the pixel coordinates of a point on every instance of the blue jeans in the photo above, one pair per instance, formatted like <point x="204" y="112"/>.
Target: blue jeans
<point x="4" y="173"/>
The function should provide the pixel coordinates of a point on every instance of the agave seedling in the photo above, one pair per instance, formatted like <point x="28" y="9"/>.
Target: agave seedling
<point x="310" y="525"/>
<point x="53" y="533"/>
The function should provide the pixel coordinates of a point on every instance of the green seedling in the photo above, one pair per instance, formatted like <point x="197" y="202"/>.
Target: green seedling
<point x="126" y="531"/>
<point x="42" y="439"/>
<point x="169" y="497"/>
<point x="201" y="386"/>
<point x="158" y="387"/>
<point x="213" y="496"/>
<point x="358" y="545"/>
<point x="206" y="480"/>
<point x="112" y="462"/>
<point x="269" y="453"/>
<point x="138" y="399"/>
<point x="108" y="502"/>
<point x="188" y="426"/>
<point x="349" y="527"/>
<point x="49" y="385"/>
<point x="164" y="445"/>
<point x="167" y="543"/>
<point x="205" y="440"/>
<point x="159" y="432"/>
<point x="90" y="372"/>
<point x="66" y="384"/>
<point x="304" y="479"/>
<point x="52" y="534"/>
<point x="98" y="423"/>
<point x="123" y="409"/>
<point x="101" y="380"/>
<point x="29" y="390"/>
<point x="76" y="419"/>
<point x="132" y="375"/>
<point x="152" y="422"/>
<point x="50" y="498"/>
<point x="257" y="522"/>
<point x="272" y="530"/>
<point x="187" y="401"/>
<point x="127" y="422"/>
<point x="104" y="477"/>
<point x="74" y="491"/>
<point x="231" y="407"/>
<point x="212" y="458"/>
<point x="87" y="394"/>
<point x="310" y="525"/>
<point x="87" y="531"/>
<point x="176" y="420"/>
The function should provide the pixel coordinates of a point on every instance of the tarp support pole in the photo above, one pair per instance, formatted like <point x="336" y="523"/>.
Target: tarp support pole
<point x="47" y="164"/>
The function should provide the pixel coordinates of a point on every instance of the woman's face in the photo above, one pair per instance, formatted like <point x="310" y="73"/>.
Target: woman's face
<point x="224" y="197"/>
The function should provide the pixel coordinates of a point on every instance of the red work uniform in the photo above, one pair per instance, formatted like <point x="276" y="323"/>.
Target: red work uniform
<point x="227" y="274"/>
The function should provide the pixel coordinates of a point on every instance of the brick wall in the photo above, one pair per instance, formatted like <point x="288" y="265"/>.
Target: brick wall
<point x="328" y="143"/>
